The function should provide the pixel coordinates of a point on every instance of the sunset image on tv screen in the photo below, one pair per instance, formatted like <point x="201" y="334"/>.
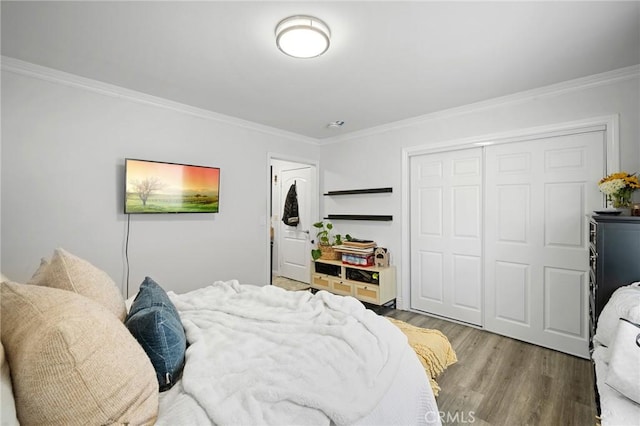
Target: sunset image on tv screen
<point x="156" y="187"/>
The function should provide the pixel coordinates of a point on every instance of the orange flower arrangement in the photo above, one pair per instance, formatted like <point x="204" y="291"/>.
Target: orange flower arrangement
<point x="619" y="188"/>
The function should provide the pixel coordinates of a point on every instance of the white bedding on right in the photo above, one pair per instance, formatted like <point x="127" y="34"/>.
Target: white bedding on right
<point x="617" y="354"/>
<point x="616" y="410"/>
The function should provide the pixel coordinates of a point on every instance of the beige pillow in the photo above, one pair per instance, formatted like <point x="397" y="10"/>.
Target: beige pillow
<point x="68" y="272"/>
<point x="72" y="361"/>
<point x="8" y="415"/>
<point x="3" y="278"/>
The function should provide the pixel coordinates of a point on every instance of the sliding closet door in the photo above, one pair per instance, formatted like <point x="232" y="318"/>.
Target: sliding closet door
<point x="536" y="248"/>
<point x="446" y="224"/>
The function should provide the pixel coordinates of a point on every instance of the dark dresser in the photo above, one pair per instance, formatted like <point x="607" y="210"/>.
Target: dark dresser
<point x="614" y="258"/>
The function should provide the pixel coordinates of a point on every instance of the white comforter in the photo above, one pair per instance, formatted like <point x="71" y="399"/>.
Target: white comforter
<point x="262" y="355"/>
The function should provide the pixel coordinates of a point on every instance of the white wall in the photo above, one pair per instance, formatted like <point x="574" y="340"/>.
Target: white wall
<point x="63" y="151"/>
<point x="374" y="158"/>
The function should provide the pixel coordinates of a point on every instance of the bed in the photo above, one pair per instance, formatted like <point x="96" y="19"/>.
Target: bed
<point x="617" y="358"/>
<point x="254" y="355"/>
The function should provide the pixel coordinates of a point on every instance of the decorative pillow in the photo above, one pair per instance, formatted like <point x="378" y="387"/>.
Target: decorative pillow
<point x="8" y="415"/>
<point x="624" y="366"/>
<point x="154" y="321"/>
<point x="72" y="361"/>
<point x="68" y="272"/>
<point x="3" y="278"/>
<point x="37" y="275"/>
<point x="619" y="306"/>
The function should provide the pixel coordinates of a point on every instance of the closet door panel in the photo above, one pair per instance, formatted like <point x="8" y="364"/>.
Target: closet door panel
<point x="563" y="295"/>
<point x="512" y="292"/>
<point x="431" y="276"/>
<point x="564" y="225"/>
<point x="513" y="213"/>
<point x="467" y="282"/>
<point x="537" y="196"/>
<point x="446" y="234"/>
<point x="430" y="200"/>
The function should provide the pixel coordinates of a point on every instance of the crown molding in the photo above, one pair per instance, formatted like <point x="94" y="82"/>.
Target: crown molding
<point x="552" y="90"/>
<point x="18" y="66"/>
<point x="60" y="77"/>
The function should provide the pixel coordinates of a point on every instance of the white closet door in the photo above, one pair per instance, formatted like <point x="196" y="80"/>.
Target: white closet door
<point x="538" y="194"/>
<point x="446" y="224"/>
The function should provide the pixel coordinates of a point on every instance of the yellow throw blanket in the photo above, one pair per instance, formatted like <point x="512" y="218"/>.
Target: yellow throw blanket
<point x="432" y="347"/>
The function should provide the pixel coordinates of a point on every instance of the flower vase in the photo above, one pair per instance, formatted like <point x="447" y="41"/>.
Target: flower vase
<point x="620" y="205"/>
<point x="622" y="202"/>
<point x="622" y="198"/>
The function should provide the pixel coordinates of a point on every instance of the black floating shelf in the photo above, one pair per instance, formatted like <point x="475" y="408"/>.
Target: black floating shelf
<point x="360" y="191"/>
<point x="378" y="217"/>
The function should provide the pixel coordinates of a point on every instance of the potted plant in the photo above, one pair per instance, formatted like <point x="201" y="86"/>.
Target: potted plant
<point x="326" y="241"/>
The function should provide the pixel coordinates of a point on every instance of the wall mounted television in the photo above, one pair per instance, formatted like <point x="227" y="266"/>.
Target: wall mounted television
<point x="161" y="187"/>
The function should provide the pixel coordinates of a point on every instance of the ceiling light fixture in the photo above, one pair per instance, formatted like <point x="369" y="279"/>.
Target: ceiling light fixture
<point x="302" y="36"/>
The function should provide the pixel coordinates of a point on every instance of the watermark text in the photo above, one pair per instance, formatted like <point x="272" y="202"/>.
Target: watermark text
<point x="447" y="417"/>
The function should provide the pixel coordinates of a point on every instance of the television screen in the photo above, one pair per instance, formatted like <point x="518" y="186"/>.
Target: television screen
<point x="159" y="187"/>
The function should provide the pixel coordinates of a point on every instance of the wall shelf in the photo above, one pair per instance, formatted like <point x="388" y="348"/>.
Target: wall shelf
<point x="376" y="217"/>
<point x="373" y="217"/>
<point x="360" y="191"/>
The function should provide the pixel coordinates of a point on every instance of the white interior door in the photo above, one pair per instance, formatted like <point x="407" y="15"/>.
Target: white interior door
<point x="538" y="194"/>
<point x="294" y="253"/>
<point x="446" y="231"/>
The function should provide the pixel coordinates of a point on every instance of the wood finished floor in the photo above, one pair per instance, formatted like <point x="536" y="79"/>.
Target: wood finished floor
<point x="507" y="382"/>
<point x="500" y="381"/>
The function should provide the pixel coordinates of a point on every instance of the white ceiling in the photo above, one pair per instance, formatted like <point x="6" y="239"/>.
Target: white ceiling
<point x="388" y="61"/>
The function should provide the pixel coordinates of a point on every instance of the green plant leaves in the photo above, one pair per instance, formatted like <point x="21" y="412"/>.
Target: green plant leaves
<point x="316" y="253"/>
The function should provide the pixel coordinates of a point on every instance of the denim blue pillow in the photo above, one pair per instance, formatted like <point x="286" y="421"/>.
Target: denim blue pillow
<point x="154" y="321"/>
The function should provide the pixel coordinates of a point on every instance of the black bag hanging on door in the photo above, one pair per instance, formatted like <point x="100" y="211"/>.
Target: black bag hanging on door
<point x="290" y="215"/>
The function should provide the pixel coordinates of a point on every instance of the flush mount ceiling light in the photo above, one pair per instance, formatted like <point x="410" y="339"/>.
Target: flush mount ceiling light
<point x="302" y="36"/>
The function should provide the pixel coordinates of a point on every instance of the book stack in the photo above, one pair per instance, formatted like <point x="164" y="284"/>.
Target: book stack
<point x="357" y="252"/>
